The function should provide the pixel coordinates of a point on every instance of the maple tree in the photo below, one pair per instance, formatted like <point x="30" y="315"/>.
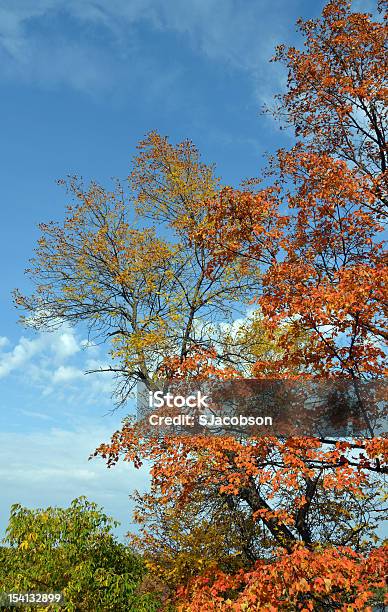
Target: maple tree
<point x="305" y="242"/>
<point x="316" y="231"/>
<point x="315" y="234"/>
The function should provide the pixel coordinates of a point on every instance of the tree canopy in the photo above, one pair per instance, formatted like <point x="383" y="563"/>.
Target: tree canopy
<point x="163" y="273"/>
<point x="73" y="551"/>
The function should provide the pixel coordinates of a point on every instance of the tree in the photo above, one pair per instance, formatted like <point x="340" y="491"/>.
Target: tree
<point x="72" y="550"/>
<point x="315" y="237"/>
<point x="307" y="246"/>
<point x="148" y="296"/>
<point x="317" y="230"/>
<point x="327" y="246"/>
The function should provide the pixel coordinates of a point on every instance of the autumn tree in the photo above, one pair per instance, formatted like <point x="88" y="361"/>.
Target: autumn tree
<point x="324" y="579"/>
<point x="144" y="292"/>
<point x="317" y="234"/>
<point x="317" y="230"/>
<point x="313" y="233"/>
<point x="305" y="243"/>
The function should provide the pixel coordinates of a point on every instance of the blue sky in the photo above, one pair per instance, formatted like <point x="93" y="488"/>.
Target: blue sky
<point x="81" y="81"/>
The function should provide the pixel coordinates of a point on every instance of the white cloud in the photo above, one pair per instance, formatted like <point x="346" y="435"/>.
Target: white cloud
<point x="66" y="374"/>
<point x="65" y="345"/>
<point x="54" y="364"/>
<point x="36" y="415"/>
<point x="19" y="356"/>
<point x="57" y="346"/>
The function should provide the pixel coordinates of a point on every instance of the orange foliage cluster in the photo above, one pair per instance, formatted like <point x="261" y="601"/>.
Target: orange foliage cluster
<point x="180" y="463"/>
<point x="324" y="267"/>
<point x="303" y="580"/>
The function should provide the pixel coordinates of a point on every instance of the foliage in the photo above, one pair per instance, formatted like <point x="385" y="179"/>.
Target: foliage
<point x="180" y="541"/>
<point x="325" y="579"/>
<point x="314" y="237"/>
<point x="336" y="95"/>
<point x="305" y="242"/>
<point x="72" y="550"/>
<point x="149" y="297"/>
<point x="298" y="488"/>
